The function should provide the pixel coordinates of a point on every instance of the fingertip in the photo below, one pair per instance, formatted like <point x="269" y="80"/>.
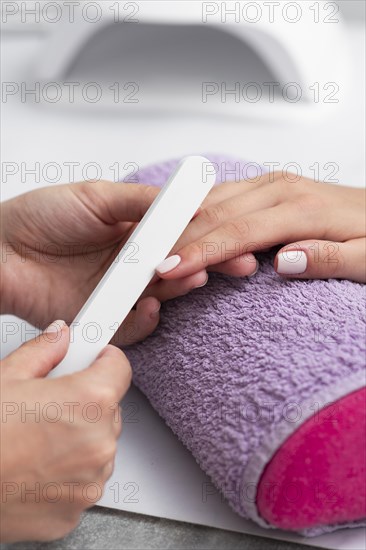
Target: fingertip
<point x="251" y="264"/>
<point x="199" y="280"/>
<point x="110" y="351"/>
<point x="148" y="308"/>
<point x="147" y="317"/>
<point x="55" y="327"/>
<point x="155" y="316"/>
<point x="55" y="331"/>
<point x="255" y="269"/>
<point x="114" y="358"/>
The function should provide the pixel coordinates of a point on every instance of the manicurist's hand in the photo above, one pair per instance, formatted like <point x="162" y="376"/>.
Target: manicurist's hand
<point x="322" y="229"/>
<point x="57" y="242"/>
<point x="58" y="436"/>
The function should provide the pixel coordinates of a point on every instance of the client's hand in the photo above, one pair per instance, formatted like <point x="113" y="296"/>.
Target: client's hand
<point x="58" y="436"/>
<point x="58" y="241"/>
<point x="322" y="226"/>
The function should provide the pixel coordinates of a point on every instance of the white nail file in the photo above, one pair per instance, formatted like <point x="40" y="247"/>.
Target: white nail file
<point x="135" y="265"/>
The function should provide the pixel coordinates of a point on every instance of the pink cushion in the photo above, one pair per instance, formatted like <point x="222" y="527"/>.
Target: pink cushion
<point x="318" y="476"/>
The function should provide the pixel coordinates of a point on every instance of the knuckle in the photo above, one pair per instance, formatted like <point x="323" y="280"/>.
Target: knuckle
<point x="277" y="175"/>
<point x="98" y="184"/>
<point x="106" y="473"/>
<point x="194" y="251"/>
<point x="274" y="177"/>
<point x="88" y="391"/>
<point x="285" y="188"/>
<point x="108" y="453"/>
<point x="93" y="189"/>
<point x="83" y="391"/>
<point x="102" y="395"/>
<point x="105" y="396"/>
<point x="213" y="215"/>
<point x="239" y="228"/>
<point x="308" y="204"/>
<point x="101" y="483"/>
<point x="150" y="191"/>
<point x="99" y="455"/>
<point x="93" y="194"/>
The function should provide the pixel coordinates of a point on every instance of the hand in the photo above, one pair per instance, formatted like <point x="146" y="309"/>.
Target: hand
<point x="59" y="241"/>
<point x="322" y="226"/>
<point x="64" y="450"/>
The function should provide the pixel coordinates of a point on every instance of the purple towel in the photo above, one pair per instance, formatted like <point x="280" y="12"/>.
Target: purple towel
<point x="236" y="366"/>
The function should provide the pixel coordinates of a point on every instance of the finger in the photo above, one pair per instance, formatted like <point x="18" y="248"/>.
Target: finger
<point x="256" y="231"/>
<point x="232" y="188"/>
<point x="36" y="358"/>
<point x="168" y="290"/>
<point x="115" y="202"/>
<point x="323" y="260"/>
<point x="241" y="266"/>
<point x="230" y="207"/>
<point x="110" y="373"/>
<point x="223" y="191"/>
<point x="139" y="323"/>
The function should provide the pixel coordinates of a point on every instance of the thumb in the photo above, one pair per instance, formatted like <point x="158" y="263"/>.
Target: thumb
<point x="108" y="378"/>
<point x="38" y="356"/>
<point x="323" y="260"/>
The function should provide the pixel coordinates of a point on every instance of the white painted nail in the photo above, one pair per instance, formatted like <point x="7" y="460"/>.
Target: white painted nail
<point x="54" y="327"/>
<point x="292" y="262"/>
<point x="168" y="264"/>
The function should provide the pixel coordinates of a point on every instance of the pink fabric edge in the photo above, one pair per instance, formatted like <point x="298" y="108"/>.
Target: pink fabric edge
<point x="317" y="477"/>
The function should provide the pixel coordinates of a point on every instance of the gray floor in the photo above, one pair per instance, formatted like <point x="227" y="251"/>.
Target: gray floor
<point x="114" y="530"/>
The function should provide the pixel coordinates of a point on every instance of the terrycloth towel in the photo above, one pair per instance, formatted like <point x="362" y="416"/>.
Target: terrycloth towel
<point x="236" y="367"/>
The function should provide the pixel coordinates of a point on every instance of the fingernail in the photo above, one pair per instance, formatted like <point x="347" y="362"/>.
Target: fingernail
<point x="54" y="327"/>
<point x="168" y="264"/>
<point x="204" y="281"/>
<point x="155" y="314"/>
<point x="292" y="262"/>
<point x="256" y="270"/>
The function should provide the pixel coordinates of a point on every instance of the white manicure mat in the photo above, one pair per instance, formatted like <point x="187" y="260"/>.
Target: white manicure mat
<point x="157" y="476"/>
